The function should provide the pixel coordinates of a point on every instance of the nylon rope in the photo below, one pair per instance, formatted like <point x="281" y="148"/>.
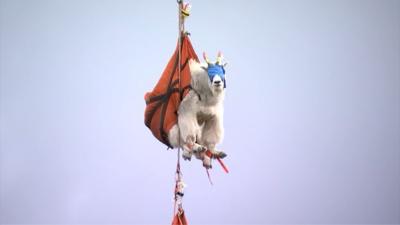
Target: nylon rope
<point x="178" y="169"/>
<point x="178" y="166"/>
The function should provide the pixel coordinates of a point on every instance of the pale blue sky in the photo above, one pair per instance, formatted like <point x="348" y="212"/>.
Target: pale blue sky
<point x="312" y="112"/>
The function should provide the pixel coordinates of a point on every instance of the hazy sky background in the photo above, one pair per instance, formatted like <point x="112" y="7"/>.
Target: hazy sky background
<point x="312" y="112"/>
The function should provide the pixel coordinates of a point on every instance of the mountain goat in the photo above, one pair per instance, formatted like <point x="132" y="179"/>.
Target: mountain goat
<point x="200" y="114"/>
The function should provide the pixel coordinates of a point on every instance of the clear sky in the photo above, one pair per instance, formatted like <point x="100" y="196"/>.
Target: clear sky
<point x="312" y="112"/>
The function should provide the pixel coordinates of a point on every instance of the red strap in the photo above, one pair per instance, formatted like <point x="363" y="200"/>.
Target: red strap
<point x="223" y="165"/>
<point x="209" y="154"/>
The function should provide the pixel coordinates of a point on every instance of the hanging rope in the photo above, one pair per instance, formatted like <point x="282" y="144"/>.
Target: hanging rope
<point x="179" y="215"/>
<point x="183" y="12"/>
<point x="178" y="210"/>
<point x="180" y="31"/>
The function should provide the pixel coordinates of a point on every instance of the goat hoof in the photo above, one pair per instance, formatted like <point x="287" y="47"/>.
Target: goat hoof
<point x="200" y="149"/>
<point x="186" y="155"/>
<point x="207" y="162"/>
<point x="222" y="155"/>
<point x="207" y="166"/>
<point x="219" y="154"/>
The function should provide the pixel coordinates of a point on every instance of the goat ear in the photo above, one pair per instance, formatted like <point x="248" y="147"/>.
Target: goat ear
<point x="225" y="63"/>
<point x="204" y="68"/>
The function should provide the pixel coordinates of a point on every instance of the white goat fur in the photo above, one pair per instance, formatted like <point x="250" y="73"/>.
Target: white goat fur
<point x="200" y="116"/>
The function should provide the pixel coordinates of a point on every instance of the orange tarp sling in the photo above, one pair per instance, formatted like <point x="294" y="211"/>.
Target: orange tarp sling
<point x="180" y="219"/>
<point x="162" y="103"/>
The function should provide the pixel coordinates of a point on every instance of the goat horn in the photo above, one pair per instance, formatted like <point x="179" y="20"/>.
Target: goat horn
<point x="206" y="58"/>
<point x="219" y="58"/>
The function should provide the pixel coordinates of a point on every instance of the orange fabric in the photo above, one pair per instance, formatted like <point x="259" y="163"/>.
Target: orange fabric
<point x="163" y="102"/>
<point x="180" y="219"/>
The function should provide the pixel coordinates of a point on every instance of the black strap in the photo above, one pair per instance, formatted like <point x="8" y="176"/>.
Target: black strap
<point x="160" y="97"/>
<point x="175" y="82"/>
<point x="163" y="100"/>
<point x="164" y="135"/>
<point x="164" y="106"/>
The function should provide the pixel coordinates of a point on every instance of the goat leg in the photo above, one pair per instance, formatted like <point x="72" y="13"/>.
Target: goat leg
<point x="187" y="152"/>
<point x="191" y="147"/>
<point x="215" y="153"/>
